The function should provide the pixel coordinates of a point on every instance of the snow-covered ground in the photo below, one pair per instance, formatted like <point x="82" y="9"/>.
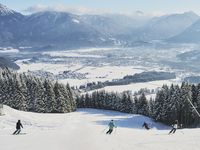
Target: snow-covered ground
<point x="8" y="50"/>
<point x="93" y="65"/>
<point x="137" y="86"/>
<point x="67" y="54"/>
<point x="85" y="130"/>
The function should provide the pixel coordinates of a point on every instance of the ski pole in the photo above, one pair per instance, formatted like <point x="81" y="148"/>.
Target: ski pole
<point x="104" y="130"/>
<point x="115" y="130"/>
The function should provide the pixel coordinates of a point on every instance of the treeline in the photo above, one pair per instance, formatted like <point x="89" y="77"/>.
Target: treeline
<point x="138" y="77"/>
<point x="30" y="93"/>
<point x="170" y="104"/>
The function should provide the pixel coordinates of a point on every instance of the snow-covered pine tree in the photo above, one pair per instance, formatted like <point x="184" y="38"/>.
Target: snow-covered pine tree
<point x="18" y="98"/>
<point x="49" y="96"/>
<point x="159" y="102"/>
<point x="102" y="99"/>
<point x="31" y="85"/>
<point x="143" y="105"/>
<point x="71" y="97"/>
<point x="185" y="107"/>
<point x="87" y="100"/>
<point x="151" y="105"/>
<point x="40" y="103"/>
<point x="197" y="105"/>
<point x="126" y="102"/>
<point x="174" y="104"/>
<point x="135" y="104"/>
<point x="67" y="98"/>
<point x="166" y="108"/>
<point x="61" y="105"/>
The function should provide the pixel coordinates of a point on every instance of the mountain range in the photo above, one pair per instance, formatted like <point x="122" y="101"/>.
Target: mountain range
<point x="66" y="30"/>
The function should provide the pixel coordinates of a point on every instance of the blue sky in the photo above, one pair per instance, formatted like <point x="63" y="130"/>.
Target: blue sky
<point x="147" y="6"/>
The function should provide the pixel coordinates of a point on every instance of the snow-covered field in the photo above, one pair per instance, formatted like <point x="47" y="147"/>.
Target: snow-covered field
<point x="137" y="86"/>
<point x="8" y="50"/>
<point x="85" y="130"/>
<point x="94" y="65"/>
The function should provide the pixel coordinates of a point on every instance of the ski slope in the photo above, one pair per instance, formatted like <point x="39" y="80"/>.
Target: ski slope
<point x="85" y="130"/>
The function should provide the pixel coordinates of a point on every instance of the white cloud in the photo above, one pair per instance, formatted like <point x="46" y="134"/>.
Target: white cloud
<point x="85" y="10"/>
<point x="64" y="8"/>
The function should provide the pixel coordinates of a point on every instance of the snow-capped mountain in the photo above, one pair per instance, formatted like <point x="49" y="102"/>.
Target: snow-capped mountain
<point x="167" y="26"/>
<point x="48" y="28"/>
<point x="4" y="11"/>
<point x="115" y="24"/>
<point x="9" y="23"/>
<point x="66" y="30"/>
<point x="190" y="35"/>
<point x="60" y="28"/>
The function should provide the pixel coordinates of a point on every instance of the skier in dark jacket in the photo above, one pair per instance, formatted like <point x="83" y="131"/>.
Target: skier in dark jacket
<point x="111" y="126"/>
<point x="18" y="127"/>
<point x="174" y="127"/>
<point x="146" y="126"/>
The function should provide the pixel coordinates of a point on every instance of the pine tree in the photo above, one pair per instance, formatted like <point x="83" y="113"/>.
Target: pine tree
<point x="185" y="107"/>
<point x="49" y="97"/>
<point x="159" y="102"/>
<point x="71" y="98"/>
<point x="143" y="105"/>
<point x="40" y="104"/>
<point x="151" y="108"/>
<point x="127" y="103"/>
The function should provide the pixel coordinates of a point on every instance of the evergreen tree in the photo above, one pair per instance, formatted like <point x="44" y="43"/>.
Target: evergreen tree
<point x="40" y="104"/>
<point x="143" y="105"/>
<point x="127" y="103"/>
<point x="159" y="102"/>
<point x="49" y="97"/>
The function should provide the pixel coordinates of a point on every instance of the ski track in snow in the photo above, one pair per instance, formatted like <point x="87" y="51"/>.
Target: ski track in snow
<point x="85" y="129"/>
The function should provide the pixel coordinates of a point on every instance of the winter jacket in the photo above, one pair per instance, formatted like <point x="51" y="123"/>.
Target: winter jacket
<point x="175" y="126"/>
<point x="19" y="125"/>
<point x="111" y="125"/>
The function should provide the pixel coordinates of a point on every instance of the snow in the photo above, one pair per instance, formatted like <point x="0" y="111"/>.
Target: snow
<point x="67" y="54"/>
<point x="93" y="74"/>
<point x="104" y="73"/>
<point x="85" y="130"/>
<point x="76" y="21"/>
<point x="8" y="50"/>
<point x="134" y="87"/>
<point x="53" y="68"/>
<point x="5" y="10"/>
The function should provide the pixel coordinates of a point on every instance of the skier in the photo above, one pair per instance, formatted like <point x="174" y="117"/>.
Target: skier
<point x="18" y="127"/>
<point x="174" y="127"/>
<point x="146" y="126"/>
<point x="111" y="126"/>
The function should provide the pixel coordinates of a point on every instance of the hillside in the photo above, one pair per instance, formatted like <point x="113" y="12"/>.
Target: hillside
<point x="4" y="62"/>
<point x="190" y="35"/>
<point x="85" y="129"/>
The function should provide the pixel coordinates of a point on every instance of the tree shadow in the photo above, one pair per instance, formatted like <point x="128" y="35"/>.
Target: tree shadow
<point x="101" y="112"/>
<point x="124" y="120"/>
<point x="135" y="122"/>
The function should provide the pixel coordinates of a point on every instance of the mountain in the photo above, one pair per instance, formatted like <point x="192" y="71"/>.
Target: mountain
<point x="115" y="24"/>
<point x="6" y="63"/>
<point x="57" y="29"/>
<point x="190" y="35"/>
<point x="60" y="28"/>
<point x="9" y="24"/>
<point x="167" y="26"/>
<point x="5" y="11"/>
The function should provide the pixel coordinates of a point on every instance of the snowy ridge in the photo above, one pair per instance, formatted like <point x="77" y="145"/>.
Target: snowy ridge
<point x="4" y="11"/>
